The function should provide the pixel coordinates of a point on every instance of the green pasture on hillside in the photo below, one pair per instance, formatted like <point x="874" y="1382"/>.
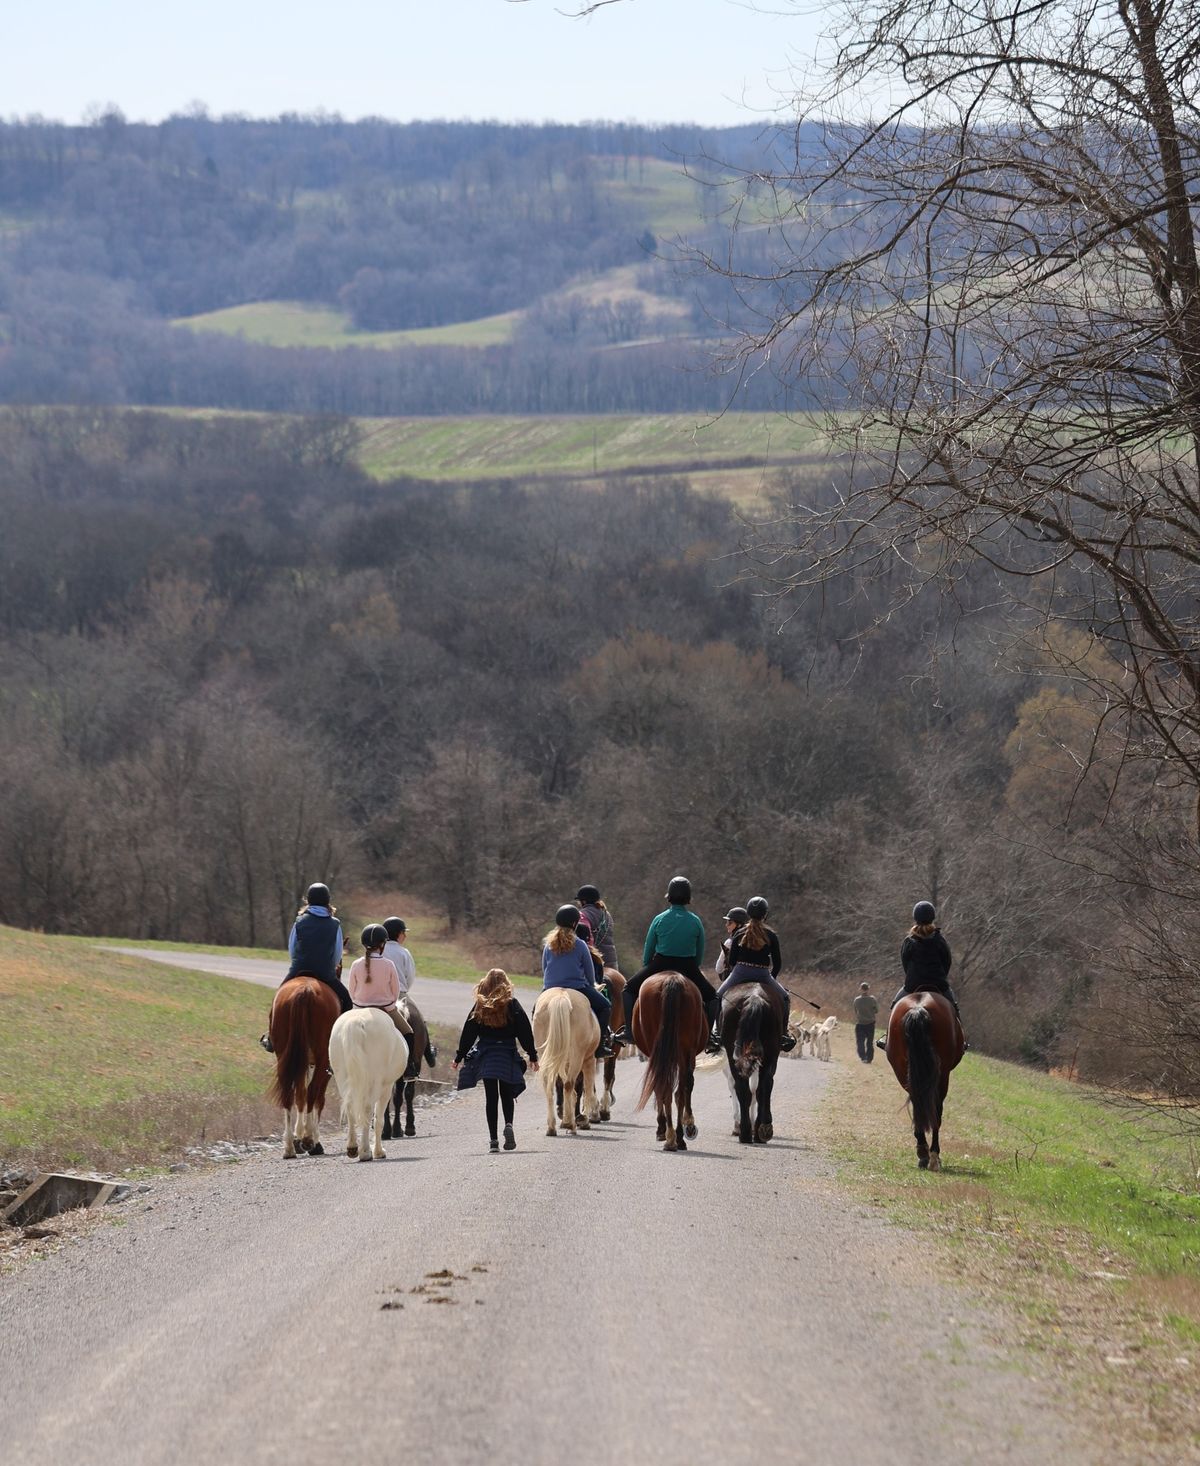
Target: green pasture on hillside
<point x="1029" y="1157"/>
<point x="298" y="323"/>
<point x="476" y="447"/>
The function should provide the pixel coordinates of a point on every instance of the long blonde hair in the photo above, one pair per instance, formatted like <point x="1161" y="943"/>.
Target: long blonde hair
<point x="923" y="929"/>
<point x="753" y="935"/>
<point x="493" y="994"/>
<point x="561" y="940"/>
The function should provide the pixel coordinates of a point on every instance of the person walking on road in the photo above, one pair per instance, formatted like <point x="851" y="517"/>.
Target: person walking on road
<point x="487" y="1050"/>
<point x="866" y="1010"/>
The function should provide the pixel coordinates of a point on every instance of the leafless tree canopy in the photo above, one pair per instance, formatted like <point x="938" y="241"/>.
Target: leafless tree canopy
<point x="996" y="280"/>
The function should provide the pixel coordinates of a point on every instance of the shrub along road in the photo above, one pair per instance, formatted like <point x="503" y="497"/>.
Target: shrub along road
<point x="583" y="1298"/>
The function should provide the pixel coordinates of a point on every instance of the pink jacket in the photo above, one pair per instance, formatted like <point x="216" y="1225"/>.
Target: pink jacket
<point x="384" y="987"/>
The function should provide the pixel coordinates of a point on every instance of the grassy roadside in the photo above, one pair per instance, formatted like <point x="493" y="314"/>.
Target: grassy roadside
<point x="1083" y="1218"/>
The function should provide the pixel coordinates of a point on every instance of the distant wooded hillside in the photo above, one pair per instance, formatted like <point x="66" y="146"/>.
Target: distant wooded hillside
<point x="312" y="264"/>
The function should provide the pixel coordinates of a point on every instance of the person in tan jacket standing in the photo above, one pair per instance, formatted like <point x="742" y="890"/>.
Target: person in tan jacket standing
<point x="866" y="1009"/>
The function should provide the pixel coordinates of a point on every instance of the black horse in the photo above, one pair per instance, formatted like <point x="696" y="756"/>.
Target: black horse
<point x="752" y="1025"/>
<point x="405" y="1086"/>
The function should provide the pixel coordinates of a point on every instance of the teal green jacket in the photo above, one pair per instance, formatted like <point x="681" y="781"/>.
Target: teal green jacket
<point x="675" y="932"/>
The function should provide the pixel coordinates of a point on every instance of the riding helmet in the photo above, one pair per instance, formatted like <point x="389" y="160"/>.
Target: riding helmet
<point x="566" y="916"/>
<point x="679" y="890"/>
<point x="738" y="914"/>
<point x="394" y="925"/>
<point x="373" y="935"/>
<point x="924" y="914"/>
<point x="317" y="895"/>
<point x="589" y="895"/>
<point x="757" y="908"/>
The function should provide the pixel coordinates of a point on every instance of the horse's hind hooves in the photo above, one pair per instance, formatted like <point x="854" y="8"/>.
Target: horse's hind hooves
<point x="289" y="1155"/>
<point x="317" y="1149"/>
<point x="690" y="1131"/>
<point x="935" y="1163"/>
<point x="351" y="1152"/>
<point x="410" y="1130"/>
<point x="923" y="1162"/>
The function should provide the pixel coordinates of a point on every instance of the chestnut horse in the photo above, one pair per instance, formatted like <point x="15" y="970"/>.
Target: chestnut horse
<point x="924" y="1042"/>
<point x="302" y="1018"/>
<point x="752" y="1026"/>
<point x="406" y="1085"/>
<point x="670" y="1029"/>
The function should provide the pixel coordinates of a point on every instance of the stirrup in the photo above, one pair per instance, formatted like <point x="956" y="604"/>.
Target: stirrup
<point x="265" y="1043"/>
<point x="787" y="1043"/>
<point x="713" y="1046"/>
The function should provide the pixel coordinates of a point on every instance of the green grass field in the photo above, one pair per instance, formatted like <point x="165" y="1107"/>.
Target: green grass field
<point x="296" y="323"/>
<point x="474" y="447"/>
<point x="1029" y="1156"/>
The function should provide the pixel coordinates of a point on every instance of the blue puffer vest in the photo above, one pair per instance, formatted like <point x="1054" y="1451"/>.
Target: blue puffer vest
<point x="316" y="947"/>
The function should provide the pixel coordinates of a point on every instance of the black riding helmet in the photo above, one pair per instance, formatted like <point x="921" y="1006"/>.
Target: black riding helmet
<point x="373" y="936"/>
<point x="394" y="925"/>
<point x="589" y="895"/>
<point x="679" y="890"/>
<point x="924" y="913"/>
<point x="317" y="894"/>
<point x="567" y="916"/>
<point x="757" y="908"/>
<point x="738" y="914"/>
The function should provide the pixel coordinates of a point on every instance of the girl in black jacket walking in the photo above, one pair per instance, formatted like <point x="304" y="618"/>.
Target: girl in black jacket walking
<point x="487" y="1050"/>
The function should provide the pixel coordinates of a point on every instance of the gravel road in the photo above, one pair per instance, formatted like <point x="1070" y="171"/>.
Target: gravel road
<point x="440" y="1002"/>
<point x="609" y="1304"/>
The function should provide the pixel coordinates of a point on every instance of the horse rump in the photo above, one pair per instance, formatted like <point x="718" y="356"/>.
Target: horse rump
<point x="292" y="1026"/>
<point x="758" y="1029"/>
<point x="924" y="1068"/>
<point x="667" y="1057"/>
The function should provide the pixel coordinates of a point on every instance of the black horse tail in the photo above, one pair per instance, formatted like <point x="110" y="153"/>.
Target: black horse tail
<point x="924" y="1069"/>
<point x="752" y="1031"/>
<point x="291" y="1066"/>
<point x="662" y="1065"/>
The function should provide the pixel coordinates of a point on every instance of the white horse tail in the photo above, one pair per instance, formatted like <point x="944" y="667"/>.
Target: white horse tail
<point x="357" y="1067"/>
<point x="556" y="1051"/>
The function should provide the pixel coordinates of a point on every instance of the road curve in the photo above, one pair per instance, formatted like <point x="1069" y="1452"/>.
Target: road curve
<point x="440" y="1001"/>
<point x="614" y="1305"/>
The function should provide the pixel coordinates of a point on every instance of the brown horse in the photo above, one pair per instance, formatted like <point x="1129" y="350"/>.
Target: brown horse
<point x="406" y="1085"/>
<point x="752" y="1027"/>
<point x="302" y="1017"/>
<point x="670" y="1029"/>
<point x="924" y="1042"/>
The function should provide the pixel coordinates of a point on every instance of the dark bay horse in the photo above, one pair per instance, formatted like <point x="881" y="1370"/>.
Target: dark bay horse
<point x="924" y="1042"/>
<point x="670" y="1029"/>
<point x="406" y="1085"/>
<point x="752" y="1026"/>
<point x="302" y="1017"/>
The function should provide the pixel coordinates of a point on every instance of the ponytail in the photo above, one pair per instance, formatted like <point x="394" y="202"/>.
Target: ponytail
<point x="753" y="936"/>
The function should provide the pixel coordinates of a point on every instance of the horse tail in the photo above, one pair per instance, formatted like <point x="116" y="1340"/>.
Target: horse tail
<point x="924" y="1068"/>
<point x="556" y="1051"/>
<point x="663" y="1064"/>
<point x="748" y="1050"/>
<point x="292" y="1064"/>
<point x="358" y="1070"/>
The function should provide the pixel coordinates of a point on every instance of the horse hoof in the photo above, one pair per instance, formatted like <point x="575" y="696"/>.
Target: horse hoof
<point x="660" y="1134"/>
<point x="604" y="1115"/>
<point x="680" y="1143"/>
<point x="765" y="1133"/>
<point x="923" y="1163"/>
<point x="317" y="1149"/>
<point x="690" y="1131"/>
<point x="935" y="1163"/>
<point x="670" y="1145"/>
<point x="583" y="1124"/>
<point x="551" y="1131"/>
<point x="365" y="1156"/>
<point x="744" y="1139"/>
<point x="351" y="1152"/>
<point x="289" y="1155"/>
<point x="410" y="1130"/>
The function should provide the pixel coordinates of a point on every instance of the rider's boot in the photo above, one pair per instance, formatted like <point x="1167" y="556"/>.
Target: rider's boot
<point x="430" y="1052"/>
<point x="604" y="1049"/>
<point x="788" y="1042"/>
<point x="881" y="1043"/>
<point x="265" y="1042"/>
<point x="712" y="1011"/>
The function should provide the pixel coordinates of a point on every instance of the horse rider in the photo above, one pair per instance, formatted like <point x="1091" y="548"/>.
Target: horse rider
<point x="753" y="956"/>
<point x="736" y="916"/>
<point x="674" y="943"/>
<point x="376" y="984"/>
<point x="567" y="963"/>
<point x="600" y="920"/>
<point x="925" y="957"/>
<point x="315" y="947"/>
<point x="402" y="960"/>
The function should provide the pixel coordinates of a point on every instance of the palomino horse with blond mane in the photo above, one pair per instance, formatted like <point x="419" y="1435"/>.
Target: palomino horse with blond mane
<point x="924" y="1042"/>
<point x="670" y="1029"/>
<point x="566" y="1034"/>
<point x="302" y="1018"/>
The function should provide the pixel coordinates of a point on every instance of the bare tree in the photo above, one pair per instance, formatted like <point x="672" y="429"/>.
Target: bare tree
<point x="996" y="282"/>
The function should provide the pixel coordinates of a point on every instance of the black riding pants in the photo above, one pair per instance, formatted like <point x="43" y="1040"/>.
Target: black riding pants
<point x="688" y="966"/>
<point x="497" y="1093"/>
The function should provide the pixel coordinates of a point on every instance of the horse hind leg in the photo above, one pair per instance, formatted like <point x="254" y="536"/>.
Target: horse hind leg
<point x="660" y="1131"/>
<point x="378" y="1109"/>
<point x="608" y="1097"/>
<point x="935" y="1149"/>
<point x="922" y="1149"/>
<point x="410" y="1125"/>
<point x="690" y="1128"/>
<point x="551" y="1117"/>
<point x="289" y="1133"/>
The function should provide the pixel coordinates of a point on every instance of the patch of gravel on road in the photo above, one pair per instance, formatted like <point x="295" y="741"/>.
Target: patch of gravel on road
<point x="1059" y="1301"/>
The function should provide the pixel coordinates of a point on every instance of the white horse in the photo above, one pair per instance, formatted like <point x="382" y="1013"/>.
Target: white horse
<point x="566" y="1033"/>
<point x="367" y="1054"/>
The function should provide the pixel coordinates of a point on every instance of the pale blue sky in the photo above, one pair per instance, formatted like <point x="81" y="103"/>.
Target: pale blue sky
<point x="709" y="61"/>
